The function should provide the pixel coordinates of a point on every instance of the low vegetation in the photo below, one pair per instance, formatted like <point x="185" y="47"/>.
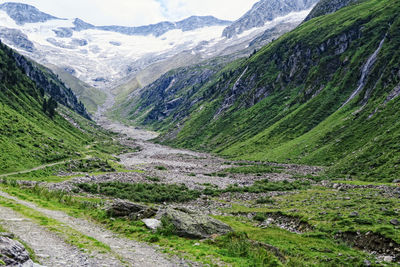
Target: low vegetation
<point x="243" y="248"/>
<point x="142" y="192"/>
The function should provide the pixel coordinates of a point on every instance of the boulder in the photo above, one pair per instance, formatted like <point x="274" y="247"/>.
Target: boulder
<point x="129" y="209"/>
<point x="152" y="224"/>
<point x="9" y="235"/>
<point x="194" y="225"/>
<point x="388" y="259"/>
<point x="395" y="222"/>
<point x="354" y="214"/>
<point x="13" y="253"/>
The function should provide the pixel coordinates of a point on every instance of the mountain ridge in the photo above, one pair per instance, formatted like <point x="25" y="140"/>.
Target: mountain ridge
<point x="23" y="13"/>
<point x="263" y="11"/>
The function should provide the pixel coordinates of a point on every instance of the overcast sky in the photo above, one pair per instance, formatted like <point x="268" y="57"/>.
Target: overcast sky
<point x="140" y="12"/>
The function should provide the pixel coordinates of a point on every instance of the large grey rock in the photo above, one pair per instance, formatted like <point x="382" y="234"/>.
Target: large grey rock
<point x="194" y="225"/>
<point x="132" y="210"/>
<point x="13" y="253"/>
<point x="152" y="224"/>
<point x="395" y="222"/>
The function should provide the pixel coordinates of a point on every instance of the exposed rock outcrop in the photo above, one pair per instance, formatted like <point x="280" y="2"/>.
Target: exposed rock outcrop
<point x="13" y="253"/>
<point x="132" y="210"/>
<point x="194" y="225"/>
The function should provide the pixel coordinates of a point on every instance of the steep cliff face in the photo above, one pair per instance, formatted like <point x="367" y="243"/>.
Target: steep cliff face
<point x="49" y="82"/>
<point x="314" y="96"/>
<point x="329" y="6"/>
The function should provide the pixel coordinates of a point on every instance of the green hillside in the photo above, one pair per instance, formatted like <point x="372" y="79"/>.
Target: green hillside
<point x="29" y="136"/>
<point x="91" y="97"/>
<point x="284" y="103"/>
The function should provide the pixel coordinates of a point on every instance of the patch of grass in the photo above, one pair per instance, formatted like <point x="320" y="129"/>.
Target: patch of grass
<point x="65" y="171"/>
<point x="264" y="186"/>
<point x="142" y="192"/>
<point x="329" y="210"/>
<point x="167" y="228"/>
<point x="265" y="200"/>
<point x="255" y="169"/>
<point x="153" y="178"/>
<point x="161" y="168"/>
<point x="239" y="244"/>
<point x="216" y="174"/>
<point x="301" y="250"/>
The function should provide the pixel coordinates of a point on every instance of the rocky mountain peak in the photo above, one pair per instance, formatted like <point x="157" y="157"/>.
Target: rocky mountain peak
<point x="195" y="22"/>
<point x="266" y="10"/>
<point x="22" y="13"/>
<point x="81" y="25"/>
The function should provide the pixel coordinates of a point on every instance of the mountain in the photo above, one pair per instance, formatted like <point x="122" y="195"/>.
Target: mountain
<point x="169" y="98"/>
<point x="28" y="135"/>
<point x="264" y="11"/>
<point x="324" y="94"/>
<point x="50" y="83"/>
<point x="324" y="7"/>
<point x="22" y="13"/>
<point x="189" y="24"/>
<point x="91" y="97"/>
<point x="104" y="57"/>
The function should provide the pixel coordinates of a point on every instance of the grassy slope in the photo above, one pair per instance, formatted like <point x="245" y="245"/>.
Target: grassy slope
<point x="298" y="122"/>
<point x="28" y="136"/>
<point x="90" y="96"/>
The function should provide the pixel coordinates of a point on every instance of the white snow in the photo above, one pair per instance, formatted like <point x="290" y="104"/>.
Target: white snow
<point x="102" y="59"/>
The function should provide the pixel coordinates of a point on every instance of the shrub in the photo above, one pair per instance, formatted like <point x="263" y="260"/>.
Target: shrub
<point x="239" y="245"/>
<point x="142" y="192"/>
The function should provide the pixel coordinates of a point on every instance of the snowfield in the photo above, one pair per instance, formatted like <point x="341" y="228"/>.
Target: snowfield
<point x="102" y="58"/>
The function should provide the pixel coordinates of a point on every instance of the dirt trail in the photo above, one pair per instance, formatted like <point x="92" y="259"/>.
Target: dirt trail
<point x="48" y="247"/>
<point x="39" y="167"/>
<point x="34" y="169"/>
<point x="132" y="252"/>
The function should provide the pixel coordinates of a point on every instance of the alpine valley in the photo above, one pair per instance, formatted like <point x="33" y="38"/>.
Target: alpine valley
<point x="271" y="140"/>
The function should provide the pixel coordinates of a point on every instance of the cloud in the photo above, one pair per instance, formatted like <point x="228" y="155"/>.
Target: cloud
<point x="140" y="12"/>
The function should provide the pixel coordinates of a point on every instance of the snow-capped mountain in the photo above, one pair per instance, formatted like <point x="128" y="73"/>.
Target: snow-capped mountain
<point x="104" y="56"/>
<point x="22" y="14"/>
<point x="265" y="11"/>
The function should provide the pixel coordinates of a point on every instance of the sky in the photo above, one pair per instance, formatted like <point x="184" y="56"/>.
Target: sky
<point x="140" y="12"/>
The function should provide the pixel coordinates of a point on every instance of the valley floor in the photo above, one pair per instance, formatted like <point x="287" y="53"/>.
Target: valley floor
<point x="288" y="207"/>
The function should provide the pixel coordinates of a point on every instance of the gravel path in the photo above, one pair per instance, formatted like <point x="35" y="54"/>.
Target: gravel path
<point x="132" y="252"/>
<point x="48" y="247"/>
